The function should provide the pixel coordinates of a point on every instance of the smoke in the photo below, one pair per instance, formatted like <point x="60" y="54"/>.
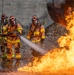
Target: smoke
<point x="32" y="45"/>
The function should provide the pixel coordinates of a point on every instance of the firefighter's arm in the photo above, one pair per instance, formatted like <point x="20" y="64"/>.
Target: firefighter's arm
<point x="19" y="29"/>
<point x="5" y="29"/>
<point x="28" y="35"/>
<point x="42" y="32"/>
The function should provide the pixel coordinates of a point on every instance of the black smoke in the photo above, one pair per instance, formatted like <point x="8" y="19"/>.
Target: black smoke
<point x="57" y="9"/>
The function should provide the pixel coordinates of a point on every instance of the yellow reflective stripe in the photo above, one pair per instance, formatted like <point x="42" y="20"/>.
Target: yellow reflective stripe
<point x="33" y="41"/>
<point x="36" y="40"/>
<point x="28" y="37"/>
<point x="16" y="41"/>
<point x="5" y="38"/>
<point x="43" y="30"/>
<point x="5" y="32"/>
<point x="19" y="29"/>
<point x="43" y="37"/>
<point x="36" y="33"/>
<point x="13" y="55"/>
<point x="18" y="55"/>
<point x="9" y="56"/>
<point x="4" y="28"/>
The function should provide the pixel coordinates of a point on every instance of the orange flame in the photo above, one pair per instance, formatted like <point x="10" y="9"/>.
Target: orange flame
<point x="59" y="58"/>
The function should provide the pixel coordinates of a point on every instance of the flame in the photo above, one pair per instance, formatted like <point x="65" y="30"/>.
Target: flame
<point x="57" y="59"/>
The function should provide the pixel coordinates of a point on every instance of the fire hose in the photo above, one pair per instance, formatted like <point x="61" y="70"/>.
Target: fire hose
<point x="29" y="43"/>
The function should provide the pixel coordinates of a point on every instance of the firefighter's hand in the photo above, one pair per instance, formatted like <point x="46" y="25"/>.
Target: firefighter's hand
<point x="18" y="33"/>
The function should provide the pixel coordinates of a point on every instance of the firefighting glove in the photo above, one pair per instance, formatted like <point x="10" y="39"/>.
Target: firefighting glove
<point x="17" y="33"/>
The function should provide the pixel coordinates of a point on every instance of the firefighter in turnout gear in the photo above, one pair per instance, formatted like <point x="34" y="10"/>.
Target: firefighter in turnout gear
<point x="36" y="34"/>
<point x="13" y="40"/>
<point x="3" y="21"/>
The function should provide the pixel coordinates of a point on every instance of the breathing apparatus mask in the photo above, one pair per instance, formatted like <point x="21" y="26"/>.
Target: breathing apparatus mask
<point x="12" y="20"/>
<point x="35" y="20"/>
<point x="3" y="16"/>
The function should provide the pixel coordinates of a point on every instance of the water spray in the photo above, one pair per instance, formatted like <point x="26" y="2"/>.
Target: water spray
<point x="32" y="45"/>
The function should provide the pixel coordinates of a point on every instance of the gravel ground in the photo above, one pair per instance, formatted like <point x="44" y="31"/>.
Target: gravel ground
<point x="54" y="32"/>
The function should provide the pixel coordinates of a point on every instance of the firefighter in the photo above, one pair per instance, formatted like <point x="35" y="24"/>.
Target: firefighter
<point x="36" y="34"/>
<point x="4" y="21"/>
<point x="12" y="29"/>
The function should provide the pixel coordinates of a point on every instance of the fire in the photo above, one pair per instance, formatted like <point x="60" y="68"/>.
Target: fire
<point x="59" y="58"/>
